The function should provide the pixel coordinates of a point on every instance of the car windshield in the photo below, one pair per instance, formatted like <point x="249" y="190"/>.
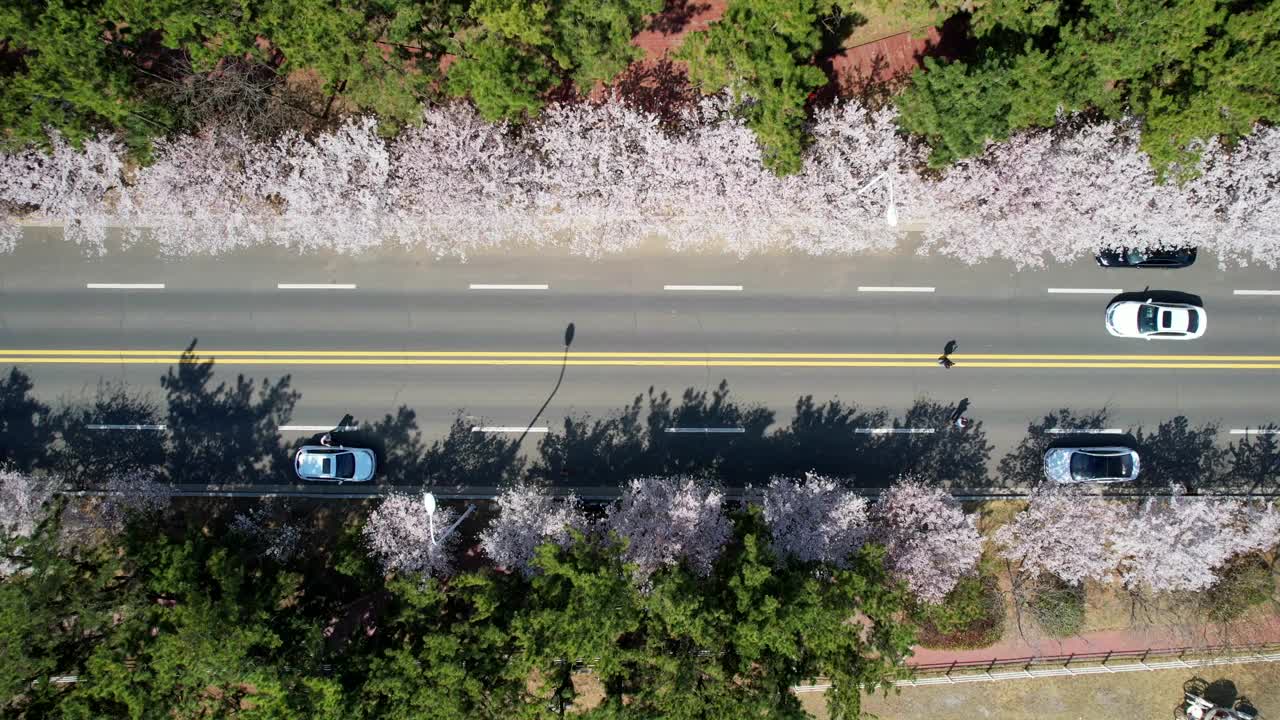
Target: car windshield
<point x="1092" y="467"/>
<point x="1136" y="256"/>
<point x="1147" y="318"/>
<point x="347" y="465"/>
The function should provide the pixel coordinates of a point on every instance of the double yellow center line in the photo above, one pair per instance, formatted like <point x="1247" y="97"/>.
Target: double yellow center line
<point x="639" y="359"/>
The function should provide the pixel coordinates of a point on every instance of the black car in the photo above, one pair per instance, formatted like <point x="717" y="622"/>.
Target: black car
<point x="1146" y="258"/>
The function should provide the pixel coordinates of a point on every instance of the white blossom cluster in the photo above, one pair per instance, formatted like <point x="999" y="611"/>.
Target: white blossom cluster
<point x="529" y="516"/>
<point x="669" y="520"/>
<point x="930" y="542"/>
<point x="22" y="501"/>
<point x="22" y="507"/>
<point x="82" y="188"/>
<point x="1178" y="543"/>
<point x="604" y="177"/>
<point x="1162" y="544"/>
<point x="815" y="520"/>
<point x="1065" y="531"/>
<point x="279" y="541"/>
<point x="399" y="533"/>
<point x="132" y="494"/>
<point x="598" y="178"/>
<point x="1067" y="191"/>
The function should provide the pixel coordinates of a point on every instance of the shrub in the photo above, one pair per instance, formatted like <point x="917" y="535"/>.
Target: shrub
<point x="1058" y="607"/>
<point x="1245" y="582"/>
<point x="971" y="615"/>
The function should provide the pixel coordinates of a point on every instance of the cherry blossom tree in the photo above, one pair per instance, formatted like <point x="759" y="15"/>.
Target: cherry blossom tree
<point x="1179" y="542"/>
<point x="23" y="504"/>
<point x="815" y="520"/>
<point x="669" y="520"/>
<point x="528" y="516"/>
<point x="206" y="193"/>
<point x="23" y="499"/>
<point x="1237" y="188"/>
<point x="1065" y="191"/>
<point x="399" y="533"/>
<point x="602" y="177"/>
<point x="1065" y="532"/>
<point x="132" y="494"/>
<point x="930" y="543"/>
<point x="279" y="541"/>
<point x="78" y="187"/>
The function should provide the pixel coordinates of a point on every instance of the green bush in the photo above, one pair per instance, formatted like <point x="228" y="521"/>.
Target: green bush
<point x="1058" y="607"/>
<point x="1246" y="581"/>
<point x="971" y="616"/>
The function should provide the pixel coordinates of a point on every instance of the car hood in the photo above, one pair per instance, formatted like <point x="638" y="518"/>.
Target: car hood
<point x="364" y="465"/>
<point x="1057" y="465"/>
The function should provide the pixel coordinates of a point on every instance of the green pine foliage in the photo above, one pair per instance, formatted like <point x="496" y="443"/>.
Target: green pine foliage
<point x="189" y="622"/>
<point x="150" y="69"/>
<point x="1191" y="69"/>
<point x="763" y="51"/>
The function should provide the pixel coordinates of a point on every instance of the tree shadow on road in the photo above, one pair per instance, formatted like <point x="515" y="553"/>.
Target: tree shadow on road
<point x="1179" y="454"/>
<point x="86" y="453"/>
<point x="1024" y="466"/>
<point x="1253" y="463"/>
<point x="225" y="433"/>
<point x="710" y="434"/>
<point x="684" y="439"/>
<point x="25" y="431"/>
<point x="594" y="451"/>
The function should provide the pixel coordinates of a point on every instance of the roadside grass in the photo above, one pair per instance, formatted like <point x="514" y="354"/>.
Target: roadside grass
<point x="1122" y="695"/>
<point x="885" y="18"/>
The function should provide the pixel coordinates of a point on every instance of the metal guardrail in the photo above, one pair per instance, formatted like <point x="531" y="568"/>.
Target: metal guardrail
<point x="1099" y="663"/>
<point x="586" y="494"/>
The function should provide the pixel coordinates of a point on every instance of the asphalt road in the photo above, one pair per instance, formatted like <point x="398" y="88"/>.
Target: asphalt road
<point x="403" y="329"/>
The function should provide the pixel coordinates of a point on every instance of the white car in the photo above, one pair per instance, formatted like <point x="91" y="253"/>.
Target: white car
<point x="1155" y="320"/>
<point x="334" y="464"/>
<point x="1091" y="465"/>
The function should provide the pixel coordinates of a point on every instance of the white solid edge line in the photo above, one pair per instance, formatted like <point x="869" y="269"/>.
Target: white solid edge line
<point x="1255" y="292"/>
<point x="895" y="288"/>
<point x="320" y="428"/>
<point x="1085" y="291"/>
<point x="315" y="286"/>
<point x="708" y="430"/>
<point x="95" y="426"/>
<point x="895" y="431"/>
<point x="1090" y="431"/>
<point x="706" y="288"/>
<point x="490" y="286"/>
<point x="506" y="429"/>
<point x="1253" y="431"/>
<point x="124" y="286"/>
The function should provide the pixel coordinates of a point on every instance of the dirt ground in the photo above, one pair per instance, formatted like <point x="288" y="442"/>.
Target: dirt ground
<point x="1131" y="696"/>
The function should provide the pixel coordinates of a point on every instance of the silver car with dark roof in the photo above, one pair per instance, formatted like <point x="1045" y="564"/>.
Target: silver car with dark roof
<point x="1091" y="465"/>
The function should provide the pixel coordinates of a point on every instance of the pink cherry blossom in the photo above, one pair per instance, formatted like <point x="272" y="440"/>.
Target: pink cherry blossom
<point x="668" y="520"/>
<point x="528" y="516"/>
<point x="815" y="519"/>
<point x="930" y="542"/>
<point x="399" y="533"/>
